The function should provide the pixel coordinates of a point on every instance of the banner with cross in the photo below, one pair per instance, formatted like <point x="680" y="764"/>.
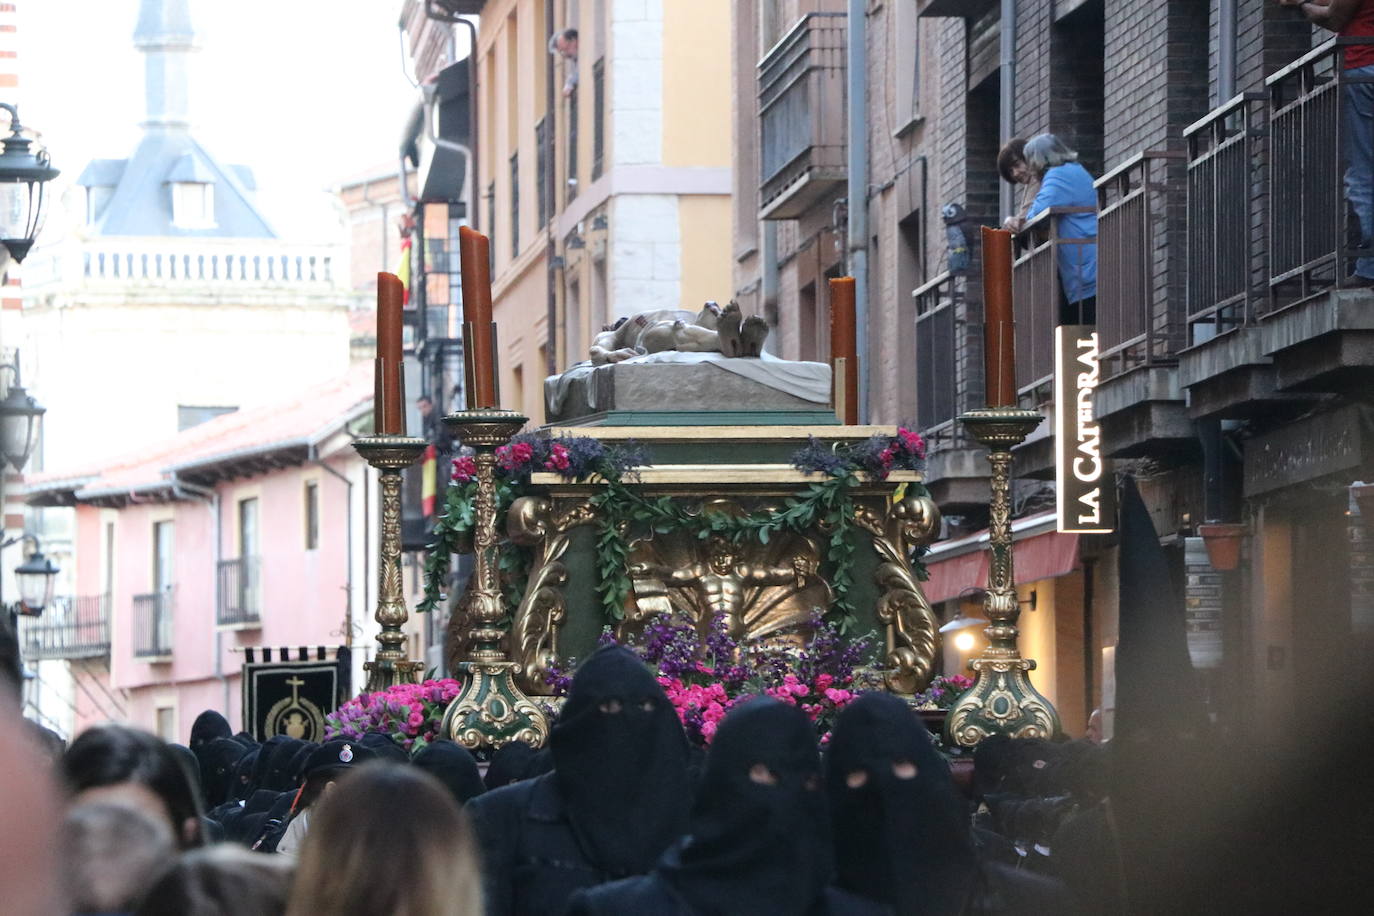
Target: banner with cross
<point x="292" y="698"/>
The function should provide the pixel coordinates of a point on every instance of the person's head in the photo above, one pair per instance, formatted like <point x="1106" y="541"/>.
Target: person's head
<point x="385" y="747"/>
<point x="221" y="880"/>
<point x="116" y="763"/>
<point x="454" y="766"/>
<point x="1046" y="151"/>
<point x="564" y="43"/>
<point x="425" y="405"/>
<point x="1094" y="733"/>
<point x="208" y="726"/>
<point x="511" y="763"/>
<point x="219" y="762"/>
<point x="114" y="852"/>
<point x="326" y="765"/>
<point x="620" y="762"/>
<point x="29" y="811"/>
<point x="1011" y="162"/>
<point x="900" y="837"/>
<point x="389" y="840"/>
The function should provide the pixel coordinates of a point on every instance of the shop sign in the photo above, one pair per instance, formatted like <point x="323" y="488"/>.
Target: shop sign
<point x="1085" y="489"/>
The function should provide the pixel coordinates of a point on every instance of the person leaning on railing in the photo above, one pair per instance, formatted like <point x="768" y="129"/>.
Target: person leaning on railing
<point x="1354" y="19"/>
<point x="1065" y="183"/>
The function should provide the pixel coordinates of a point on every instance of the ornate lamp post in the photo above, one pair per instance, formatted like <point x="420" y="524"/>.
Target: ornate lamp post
<point x="19" y="416"/>
<point x="23" y="173"/>
<point x="491" y="710"/>
<point x="36" y="577"/>
<point x="390" y="455"/>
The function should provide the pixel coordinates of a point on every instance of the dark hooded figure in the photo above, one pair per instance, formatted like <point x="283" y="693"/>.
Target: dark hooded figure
<point x="510" y="763"/>
<point x="618" y="795"/>
<point x="385" y="747"/>
<point x="759" y="841"/>
<point x="208" y="726"/>
<point x="454" y="766"/>
<point x="218" y="762"/>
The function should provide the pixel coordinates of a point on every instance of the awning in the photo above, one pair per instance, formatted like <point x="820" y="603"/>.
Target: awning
<point x="1041" y="553"/>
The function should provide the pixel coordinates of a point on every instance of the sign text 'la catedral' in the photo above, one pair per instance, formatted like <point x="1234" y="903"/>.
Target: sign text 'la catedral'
<point x="1085" y="489"/>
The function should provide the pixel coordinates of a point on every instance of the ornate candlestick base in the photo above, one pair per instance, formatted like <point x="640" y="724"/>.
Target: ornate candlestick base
<point x="1002" y="699"/>
<point x="490" y="710"/>
<point x="390" y="455"/>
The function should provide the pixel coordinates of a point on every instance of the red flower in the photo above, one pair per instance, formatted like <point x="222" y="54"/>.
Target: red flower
<point x="464" y="469"/>
<point x="912" y="441"/>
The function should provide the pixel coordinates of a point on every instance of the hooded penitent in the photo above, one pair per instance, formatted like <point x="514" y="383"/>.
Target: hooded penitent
<point x="760" y="832"/>
<point x="218" y="763"/>
<point x="208" y="726"/>
<point x="620" y="762"/>
<point x="511" y="763"/>
<point x="454" y="766"/>
<point x="901" y="837"/>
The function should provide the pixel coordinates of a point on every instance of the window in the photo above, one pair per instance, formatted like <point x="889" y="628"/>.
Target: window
<point x="189" y="415"/>
<point x="167" y="723"/>
<point x="541" y="170"/>
<point x="491" y="222"/>
<point x="514" y="206"/>
<point x="193" y="204"/>
<point x="163" y="542"/>
<point x="572" y="308"/>
<point x="572" y="147"/>
<point x="97" y="197"/>
<point x="248" y="527"/>
<point x="598" y="117"/>
<point x="906" y="63"/>
<point x="312" y="514"/>
<point x="107" y="579"/>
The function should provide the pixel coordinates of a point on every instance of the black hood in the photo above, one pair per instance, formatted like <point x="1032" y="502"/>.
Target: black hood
<point x="901" y="837"/>
<point x="218" y="766"/>
<point x="760" y="843"/>
<point x="208" y="726"/>
<point x="511" y="763"/>
<point x="620" y="762"/>
<point x="454" y="766"/>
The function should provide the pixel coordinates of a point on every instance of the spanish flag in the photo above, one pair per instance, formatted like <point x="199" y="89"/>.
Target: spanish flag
<point x="429" y="468"/>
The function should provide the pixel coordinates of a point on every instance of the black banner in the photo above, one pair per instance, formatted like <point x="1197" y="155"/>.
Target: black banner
<point x="292" y="698"/>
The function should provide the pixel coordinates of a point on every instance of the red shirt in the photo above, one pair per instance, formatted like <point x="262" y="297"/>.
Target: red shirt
<point x="1362" y="26"/>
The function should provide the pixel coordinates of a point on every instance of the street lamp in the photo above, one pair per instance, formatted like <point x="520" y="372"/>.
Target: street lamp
<point x="19" y="414"/>
<point x="36" y="577"/>
<point x="23" y="173"/>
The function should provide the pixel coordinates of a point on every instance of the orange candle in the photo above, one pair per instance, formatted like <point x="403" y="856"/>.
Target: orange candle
<point x="844" y="345"/>
<point x="999" y="342"/>
<point x="388" y="406"/>
<point x="475" y="263"/>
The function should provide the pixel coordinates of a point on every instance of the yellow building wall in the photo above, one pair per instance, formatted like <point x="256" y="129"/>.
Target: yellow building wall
<point x="1038" y="638"/>
<point x="704" y="222"/>
<point x="696" y="85"/>
<point x="520" y="312"/>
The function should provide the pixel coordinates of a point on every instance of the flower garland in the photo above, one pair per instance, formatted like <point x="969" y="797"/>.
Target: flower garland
<point x="409" y="713"/>
<point x="619" y="507"/>
<point x="704" y="677"/>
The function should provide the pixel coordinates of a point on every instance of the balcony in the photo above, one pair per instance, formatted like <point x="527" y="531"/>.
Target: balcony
<point x="153" y="626"/>
<point x="1140" y="323"/>
<point x="69" y="628"/>
<point x="802" y="117"/>
<point x="239" y="593"/>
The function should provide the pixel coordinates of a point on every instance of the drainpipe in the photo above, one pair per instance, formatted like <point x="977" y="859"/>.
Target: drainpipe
<point x="181" y="489"/>
<point x="1226" y="50"/>
<point x="314" y="457"/>
<point x="550" y="251"/>
<point x="1006" y="123"/>
<point x="857" y="154"/>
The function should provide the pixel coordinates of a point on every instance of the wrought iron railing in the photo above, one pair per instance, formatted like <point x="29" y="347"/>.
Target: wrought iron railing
<point x="1138" y="263"/>
<point x="1223" y="150"/>
<point x="1314" y="235"/>
<point x="153" y="625"/>
<point x="239" y="592"/>
<point x="69" y="628"/>
<point x="801" y="106"/>
<point x="937" y="354"/>
<point x="1038" y="293"/>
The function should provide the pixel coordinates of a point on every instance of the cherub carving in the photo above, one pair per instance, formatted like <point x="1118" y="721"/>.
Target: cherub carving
<point x="713" y="329"/>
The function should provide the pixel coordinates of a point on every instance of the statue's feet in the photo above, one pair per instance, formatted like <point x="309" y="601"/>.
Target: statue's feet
<point x="753" y="332"/>
<point x="728" y="327"/>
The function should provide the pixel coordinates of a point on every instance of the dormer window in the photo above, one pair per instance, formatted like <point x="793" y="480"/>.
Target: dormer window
<point x="193" y="204"/>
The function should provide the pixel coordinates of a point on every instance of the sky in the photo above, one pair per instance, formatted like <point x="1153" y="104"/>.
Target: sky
<point x="305" y="92"/>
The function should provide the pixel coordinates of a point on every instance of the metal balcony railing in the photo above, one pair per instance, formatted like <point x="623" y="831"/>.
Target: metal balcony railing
<point x="69" y="628"/>
<point x="1136" y="261"/>
<point x="1038" y="294"/>
<point x="1223" y="150"/>
<point x="153" y="625"/>
<point x="239" y="592"/>
<point x="937" y="349"/>
<point x="1314" y="234"/>
<point x="802" y="116"/>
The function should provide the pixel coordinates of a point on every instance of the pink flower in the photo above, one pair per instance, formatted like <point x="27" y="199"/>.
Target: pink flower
<point x="823" y="681"/>
<point x="514" y="456"/>
<point x="886" y="456"/>
<point x="464" y="469"/>
<point x="558" y="458"/>
<point x="912" y="441"/>
<point x="415" y="720"/>
<point x="837" y="696"/>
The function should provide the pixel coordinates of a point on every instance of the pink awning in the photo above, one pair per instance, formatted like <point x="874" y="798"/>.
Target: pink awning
<point x="1040" y="556"/>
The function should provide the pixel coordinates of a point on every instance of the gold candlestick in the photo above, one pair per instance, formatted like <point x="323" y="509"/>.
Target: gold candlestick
<point x="1002" y="699"/>
<point x="390" y="455"/>
<point x="491" y="710"/>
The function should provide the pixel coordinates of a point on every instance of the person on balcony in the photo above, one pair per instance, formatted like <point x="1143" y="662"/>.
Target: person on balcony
<point x="1354" y="19"/>
<point x="1011" y="165"/>
<point x="1066" y="184"/>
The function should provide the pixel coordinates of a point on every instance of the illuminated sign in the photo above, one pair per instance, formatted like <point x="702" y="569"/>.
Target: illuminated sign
<point x="1085" y="489"/>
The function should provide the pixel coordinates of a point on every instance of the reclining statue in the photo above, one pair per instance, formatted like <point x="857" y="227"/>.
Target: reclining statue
<point x="712" y="329"/>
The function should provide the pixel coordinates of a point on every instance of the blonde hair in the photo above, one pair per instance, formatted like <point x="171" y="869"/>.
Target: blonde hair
<point x="387" y="839"/>
<point x="1045" y="151"/>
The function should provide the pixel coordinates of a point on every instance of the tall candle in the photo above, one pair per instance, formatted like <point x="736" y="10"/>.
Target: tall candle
<point x="388" y="409"/>
<point x="844" y="345"/>
<point x="475" y="263"/>
<point x="999" y="342"/>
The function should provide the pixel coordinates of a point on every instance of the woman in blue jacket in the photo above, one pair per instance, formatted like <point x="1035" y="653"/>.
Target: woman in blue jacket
<point x="1065" y="183"/>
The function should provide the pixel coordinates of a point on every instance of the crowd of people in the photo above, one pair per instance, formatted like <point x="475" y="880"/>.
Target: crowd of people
<point x="620" y="814"/>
